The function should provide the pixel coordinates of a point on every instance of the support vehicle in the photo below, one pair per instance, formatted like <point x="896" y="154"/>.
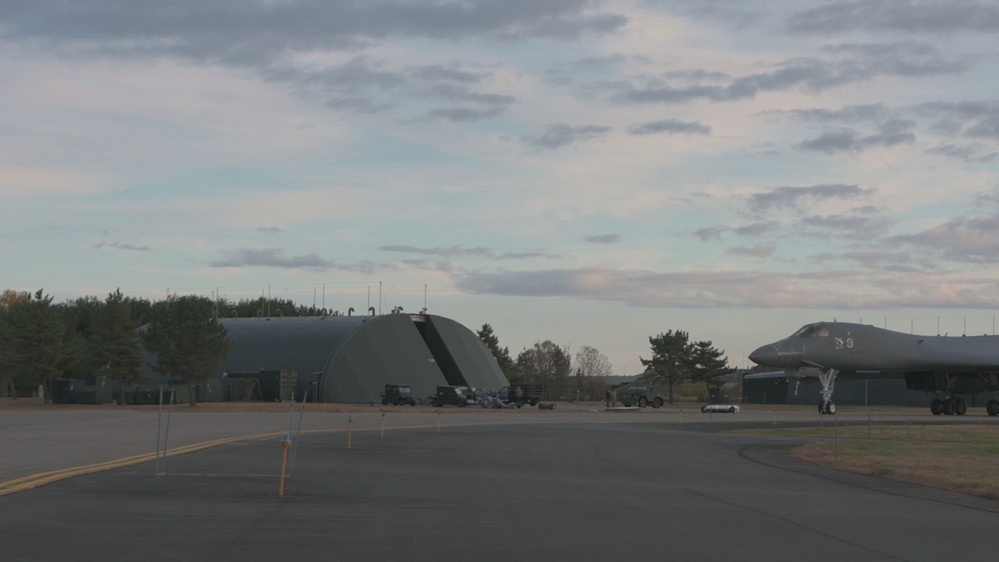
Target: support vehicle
<point x="398" y="395"/>
<point x="449" y="396"/>
<point x="640" y="396"/>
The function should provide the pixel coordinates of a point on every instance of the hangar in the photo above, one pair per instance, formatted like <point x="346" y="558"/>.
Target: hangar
<point x="352" y="358"/>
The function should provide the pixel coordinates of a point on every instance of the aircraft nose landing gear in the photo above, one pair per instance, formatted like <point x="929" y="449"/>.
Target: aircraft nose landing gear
<point x="827" y="378"/>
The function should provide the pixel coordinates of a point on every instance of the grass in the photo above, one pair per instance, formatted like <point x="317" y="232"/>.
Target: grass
<point x="959" y="458"/>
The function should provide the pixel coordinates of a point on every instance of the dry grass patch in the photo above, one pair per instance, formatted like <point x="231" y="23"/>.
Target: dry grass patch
<point x="959" y="458"/>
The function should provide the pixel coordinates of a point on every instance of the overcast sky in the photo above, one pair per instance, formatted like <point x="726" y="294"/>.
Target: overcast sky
<point x="593" y="173"/>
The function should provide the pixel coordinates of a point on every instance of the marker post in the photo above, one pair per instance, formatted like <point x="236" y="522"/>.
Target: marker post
<point x="285" y="446"/>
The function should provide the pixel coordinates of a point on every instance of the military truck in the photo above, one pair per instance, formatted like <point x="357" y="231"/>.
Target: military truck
<point x="399" y="395"/>
<point x="640" y="396"/>
<point x="449" y="396"/>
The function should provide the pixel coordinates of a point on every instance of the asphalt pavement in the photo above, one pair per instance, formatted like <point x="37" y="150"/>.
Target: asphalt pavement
<point x="577" y="486"/>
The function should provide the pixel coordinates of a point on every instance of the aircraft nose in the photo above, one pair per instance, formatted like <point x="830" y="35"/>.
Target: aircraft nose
<point x="764" y="355"/>
<point x="784" y="354"/>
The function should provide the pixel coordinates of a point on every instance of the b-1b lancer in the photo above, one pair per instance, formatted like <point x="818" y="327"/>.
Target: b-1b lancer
<point x="946" y="364"/>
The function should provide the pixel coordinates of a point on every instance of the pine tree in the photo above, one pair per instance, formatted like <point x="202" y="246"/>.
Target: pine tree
<point x="187" y="339"/>
<point x="116" y="343"/>
<point x="671" y="352"/>
<point x="502" y="356"/>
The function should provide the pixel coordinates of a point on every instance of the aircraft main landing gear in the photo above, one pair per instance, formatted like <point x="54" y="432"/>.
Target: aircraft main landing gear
<point x="951" y="406"/>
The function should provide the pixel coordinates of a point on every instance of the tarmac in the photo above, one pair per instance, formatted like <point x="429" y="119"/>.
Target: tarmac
<point x="577" y="484"/>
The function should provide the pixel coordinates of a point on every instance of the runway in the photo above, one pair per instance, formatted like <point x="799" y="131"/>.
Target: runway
<point x="575" y="487"/>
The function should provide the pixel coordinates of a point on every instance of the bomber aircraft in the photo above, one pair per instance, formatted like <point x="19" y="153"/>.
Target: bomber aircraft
<point x="946" y="364"/>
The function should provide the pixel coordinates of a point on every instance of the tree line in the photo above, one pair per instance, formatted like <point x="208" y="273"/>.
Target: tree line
<point x="89" y="338"/>
<point x="105" y="338"/>
<point x="675" y="358"/>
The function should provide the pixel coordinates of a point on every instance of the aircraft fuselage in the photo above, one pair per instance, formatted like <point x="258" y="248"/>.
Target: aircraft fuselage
<point x="947" y="364"/>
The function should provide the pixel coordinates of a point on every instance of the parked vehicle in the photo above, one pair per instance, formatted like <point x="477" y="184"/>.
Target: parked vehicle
<point x="398" y="395"/>
<point x="449" y="396"/>
<point x="727" y="408"/>
<point x="640" y="396"/>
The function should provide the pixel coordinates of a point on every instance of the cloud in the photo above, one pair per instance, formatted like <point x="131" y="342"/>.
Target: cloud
<point x="987" y="128"/>
<point x="832" y="142"/>
<point x="933" y="16"/>
<point x="461" y="251"/>
<point x="358" y="105"/>
<point x="845" y="114"/>
<point x="792" y="197"/>
<point x="604" y="239"/>
<point x="123" y="246"/>
<point x="890" y="287"/>
<point x="963" y="240"/>
<point x="710" y="233"/>
<point x="851" y="226"/>
<point x="843" y="64"/>
<point x="460" y="114"/>
<point x="437" y="72"/>
<point x="759" y="251"/>
<point x="729" y="13"/>
<point x="274" y="257"/>
<point x="971" y="153"/>
<point x="560" y="135"/>
<point x="755" y="229"/>
<point x="670" y="126"/>
<point x="884" y="260"/>
<point x="442" y="251"/>
<point x="752" y="230"/>
<point x="260" y="31"/>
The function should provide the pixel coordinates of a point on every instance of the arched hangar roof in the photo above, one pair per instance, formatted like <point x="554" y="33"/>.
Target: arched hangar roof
<point x="354" y="357"/>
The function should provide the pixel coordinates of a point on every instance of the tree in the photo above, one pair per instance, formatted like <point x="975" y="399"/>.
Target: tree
<point x="187" y="339"/>
<point x="591" y="368"/>
<point x="709" y="365"/>
<point x="548" y="365"/>
<point x="32" y="342"/>
<point x="116" y="344"/>
<point x="502" y="356"/>
<point x="670" y="361"/>
<point x="78" y="321"/>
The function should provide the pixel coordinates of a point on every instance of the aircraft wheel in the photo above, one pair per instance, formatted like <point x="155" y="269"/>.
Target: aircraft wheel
<point x="822" y="408"/>
<point x="949" y="407"/>
<point x="831" y="408"/>
<point x="936" y="406"/>
<point x="992" y="407"/>
<point x="961" y="407"/>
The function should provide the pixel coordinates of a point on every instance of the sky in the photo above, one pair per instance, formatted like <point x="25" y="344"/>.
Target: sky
<point x="587" y="172"/>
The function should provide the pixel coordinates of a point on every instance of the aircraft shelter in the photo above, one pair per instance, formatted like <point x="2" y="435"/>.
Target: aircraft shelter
<point x="352" y="358"/>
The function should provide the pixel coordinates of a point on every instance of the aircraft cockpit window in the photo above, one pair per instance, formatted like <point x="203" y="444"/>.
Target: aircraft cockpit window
<point x="812" y="330"/>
